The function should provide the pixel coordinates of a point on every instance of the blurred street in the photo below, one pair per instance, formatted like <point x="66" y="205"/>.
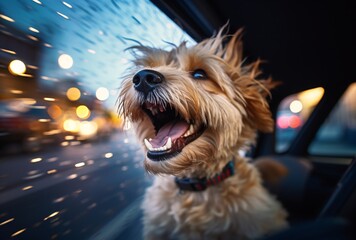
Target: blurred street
<point x="73" y="191"/>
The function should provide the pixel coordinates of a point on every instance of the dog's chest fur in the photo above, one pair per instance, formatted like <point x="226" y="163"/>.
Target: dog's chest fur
<point x="238" y="208"/>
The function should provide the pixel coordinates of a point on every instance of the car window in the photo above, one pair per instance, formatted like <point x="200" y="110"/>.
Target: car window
<point x="292" y="113"/>
<point x="337" y="135"/>
<point x="68" y="167"/>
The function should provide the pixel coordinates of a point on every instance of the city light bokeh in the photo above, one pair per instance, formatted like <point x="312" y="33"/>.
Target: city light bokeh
<point x="73" y="93"/>
<point x="17" y="67"/>
<point x="65" y="61"/>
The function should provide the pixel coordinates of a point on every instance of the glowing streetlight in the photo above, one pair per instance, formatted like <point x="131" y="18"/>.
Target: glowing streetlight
<point x="83" y="112"/>
<point x="65" y="61"/>
<point x="17" y="67"/>
<point x="296" y="106"/>
<point x="73" y="94"/>
<point x="102" y="93"/>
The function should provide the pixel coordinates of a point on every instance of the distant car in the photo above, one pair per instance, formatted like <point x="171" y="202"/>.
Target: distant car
<point x="25" y="126"/>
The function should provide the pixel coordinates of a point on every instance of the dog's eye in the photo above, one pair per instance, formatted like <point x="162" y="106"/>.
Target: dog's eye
<point x="199" y="74"/>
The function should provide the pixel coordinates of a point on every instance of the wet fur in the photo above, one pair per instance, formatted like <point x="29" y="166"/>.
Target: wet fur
<point x="231" y="104"/>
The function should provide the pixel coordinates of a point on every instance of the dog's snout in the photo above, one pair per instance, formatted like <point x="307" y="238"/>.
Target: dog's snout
<point x="146" y="80"/>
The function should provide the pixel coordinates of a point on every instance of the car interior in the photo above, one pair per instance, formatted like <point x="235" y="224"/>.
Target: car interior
<point x="305" y="45"/>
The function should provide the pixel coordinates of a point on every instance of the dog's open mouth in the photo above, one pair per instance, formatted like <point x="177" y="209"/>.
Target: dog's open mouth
<point x="173" y="133"/>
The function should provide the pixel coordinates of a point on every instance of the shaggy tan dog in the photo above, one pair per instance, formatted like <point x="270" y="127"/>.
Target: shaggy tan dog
<point x="194" y="108"/>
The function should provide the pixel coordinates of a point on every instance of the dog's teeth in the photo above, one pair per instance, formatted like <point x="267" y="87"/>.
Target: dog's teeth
<point x="168" y="144"/>
<point x="150" y="139"/>
<point x="190" y="131"/>
<point x="148" y="145"/>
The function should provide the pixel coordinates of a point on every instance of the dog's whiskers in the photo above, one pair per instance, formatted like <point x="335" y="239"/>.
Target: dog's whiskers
<point x="155" y="97"/>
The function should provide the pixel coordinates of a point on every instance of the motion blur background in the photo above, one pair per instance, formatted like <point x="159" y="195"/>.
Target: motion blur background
<point x="69" y="168"/>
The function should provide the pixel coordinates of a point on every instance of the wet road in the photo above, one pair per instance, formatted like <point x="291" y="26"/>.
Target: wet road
<point x="76" y="191"/>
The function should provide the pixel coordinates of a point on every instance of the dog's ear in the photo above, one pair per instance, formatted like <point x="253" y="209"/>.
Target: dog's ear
<point x="232" y="53"/>
<point x="257" y="109"/>
<point x="253" y="91"/>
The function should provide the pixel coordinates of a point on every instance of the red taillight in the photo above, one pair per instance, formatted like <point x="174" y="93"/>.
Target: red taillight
<point x="282" y="122"/>
<point x="293" y="121"/>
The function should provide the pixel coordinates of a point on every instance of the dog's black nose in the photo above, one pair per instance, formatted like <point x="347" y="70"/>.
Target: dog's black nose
<point x="147" y="80"/>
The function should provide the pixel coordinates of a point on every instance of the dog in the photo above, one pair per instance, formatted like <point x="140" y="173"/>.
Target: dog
<point x="193" y="109"/>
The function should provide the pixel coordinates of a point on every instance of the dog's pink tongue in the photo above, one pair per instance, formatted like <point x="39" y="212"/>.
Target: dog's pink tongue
<point x="174" y="129"/>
